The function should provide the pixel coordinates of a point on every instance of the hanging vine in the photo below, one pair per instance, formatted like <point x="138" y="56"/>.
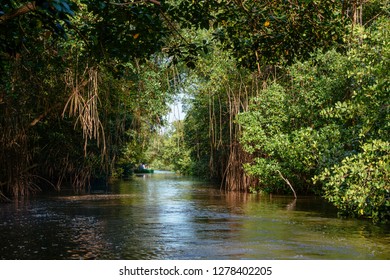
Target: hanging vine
<point x="83" y="104"/>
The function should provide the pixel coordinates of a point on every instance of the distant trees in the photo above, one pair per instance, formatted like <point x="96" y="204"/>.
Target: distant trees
<point x="168" y="150"/>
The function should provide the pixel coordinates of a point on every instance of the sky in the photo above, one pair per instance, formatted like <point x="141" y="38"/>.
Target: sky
<point x="176" y="111"/>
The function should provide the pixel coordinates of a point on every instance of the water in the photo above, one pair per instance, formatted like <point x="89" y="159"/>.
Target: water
<point x="165" y="216"/>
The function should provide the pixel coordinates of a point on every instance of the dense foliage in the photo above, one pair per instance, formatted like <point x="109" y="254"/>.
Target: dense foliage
<point x="311" y="107"/>
<point x="328" y="120"/>
<point x="168" y="150"/>
<point x="221" y="92"/>
<point x="80" y="81"/>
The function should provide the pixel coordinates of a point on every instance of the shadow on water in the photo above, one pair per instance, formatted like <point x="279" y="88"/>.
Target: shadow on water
<point x="166" y="216"/>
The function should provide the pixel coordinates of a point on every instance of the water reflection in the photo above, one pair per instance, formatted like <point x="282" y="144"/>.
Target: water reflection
<point x="165" y="216"/>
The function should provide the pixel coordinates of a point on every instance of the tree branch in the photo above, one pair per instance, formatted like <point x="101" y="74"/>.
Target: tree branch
<point x="288" y="183"/>
<point x="2" y="196"/>
<point x="29" y="7"/>
<point x="38" y="119"/>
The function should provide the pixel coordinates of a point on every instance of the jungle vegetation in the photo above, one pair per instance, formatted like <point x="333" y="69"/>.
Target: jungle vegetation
<point x="280" y="96"/>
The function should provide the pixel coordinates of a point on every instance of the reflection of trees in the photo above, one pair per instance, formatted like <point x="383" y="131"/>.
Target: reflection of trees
<point x="151" y="222"/>
<point x="239" y="202"/>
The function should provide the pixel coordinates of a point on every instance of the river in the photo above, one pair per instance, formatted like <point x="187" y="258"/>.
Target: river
<point x="167" y="216"/>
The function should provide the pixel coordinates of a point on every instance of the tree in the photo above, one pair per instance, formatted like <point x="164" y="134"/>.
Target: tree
<point x="169" y="151"/>
<point x="219" y="91"/>
<point x="359" y="184"/>
<point x="328" y="121"/>
<point x="254" y="36"/>
<point x="69" y="76"/>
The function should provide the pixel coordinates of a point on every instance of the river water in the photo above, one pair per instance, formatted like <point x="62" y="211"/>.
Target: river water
<point x="166" y="216"/>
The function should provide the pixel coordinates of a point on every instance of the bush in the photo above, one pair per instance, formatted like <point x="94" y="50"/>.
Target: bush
<point x="328" y="120"/>
<point x="360" y="184"/>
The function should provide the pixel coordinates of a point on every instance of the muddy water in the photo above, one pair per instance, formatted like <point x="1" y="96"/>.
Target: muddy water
<point x="165" y="216"/>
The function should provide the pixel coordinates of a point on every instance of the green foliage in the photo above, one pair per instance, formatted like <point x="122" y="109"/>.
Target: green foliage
<point x="283" y="127"/>
<point x="373" y="9"/>
<point x="217" y="90"/>
<point x="196" y="136"/>
<point x="328" y="120"/>
<point x="110" y="65"/>
<point x="265" y="32"/>
<point x="118" y="32"/>
<point x="50" y="15"/>
<point x="144" y="97"/>
<point x="169" y="151"/>
<point x="359" y="184"/>
<point x="114" y="96"/>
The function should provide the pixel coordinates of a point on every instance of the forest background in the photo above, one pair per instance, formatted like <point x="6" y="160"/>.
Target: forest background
<point x="280" y="96"/>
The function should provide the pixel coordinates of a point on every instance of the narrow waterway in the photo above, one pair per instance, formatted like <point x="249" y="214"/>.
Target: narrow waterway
<point x="166" y="216"/>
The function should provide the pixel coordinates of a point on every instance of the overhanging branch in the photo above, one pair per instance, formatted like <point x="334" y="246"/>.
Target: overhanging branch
<point x="29" y="7"/>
